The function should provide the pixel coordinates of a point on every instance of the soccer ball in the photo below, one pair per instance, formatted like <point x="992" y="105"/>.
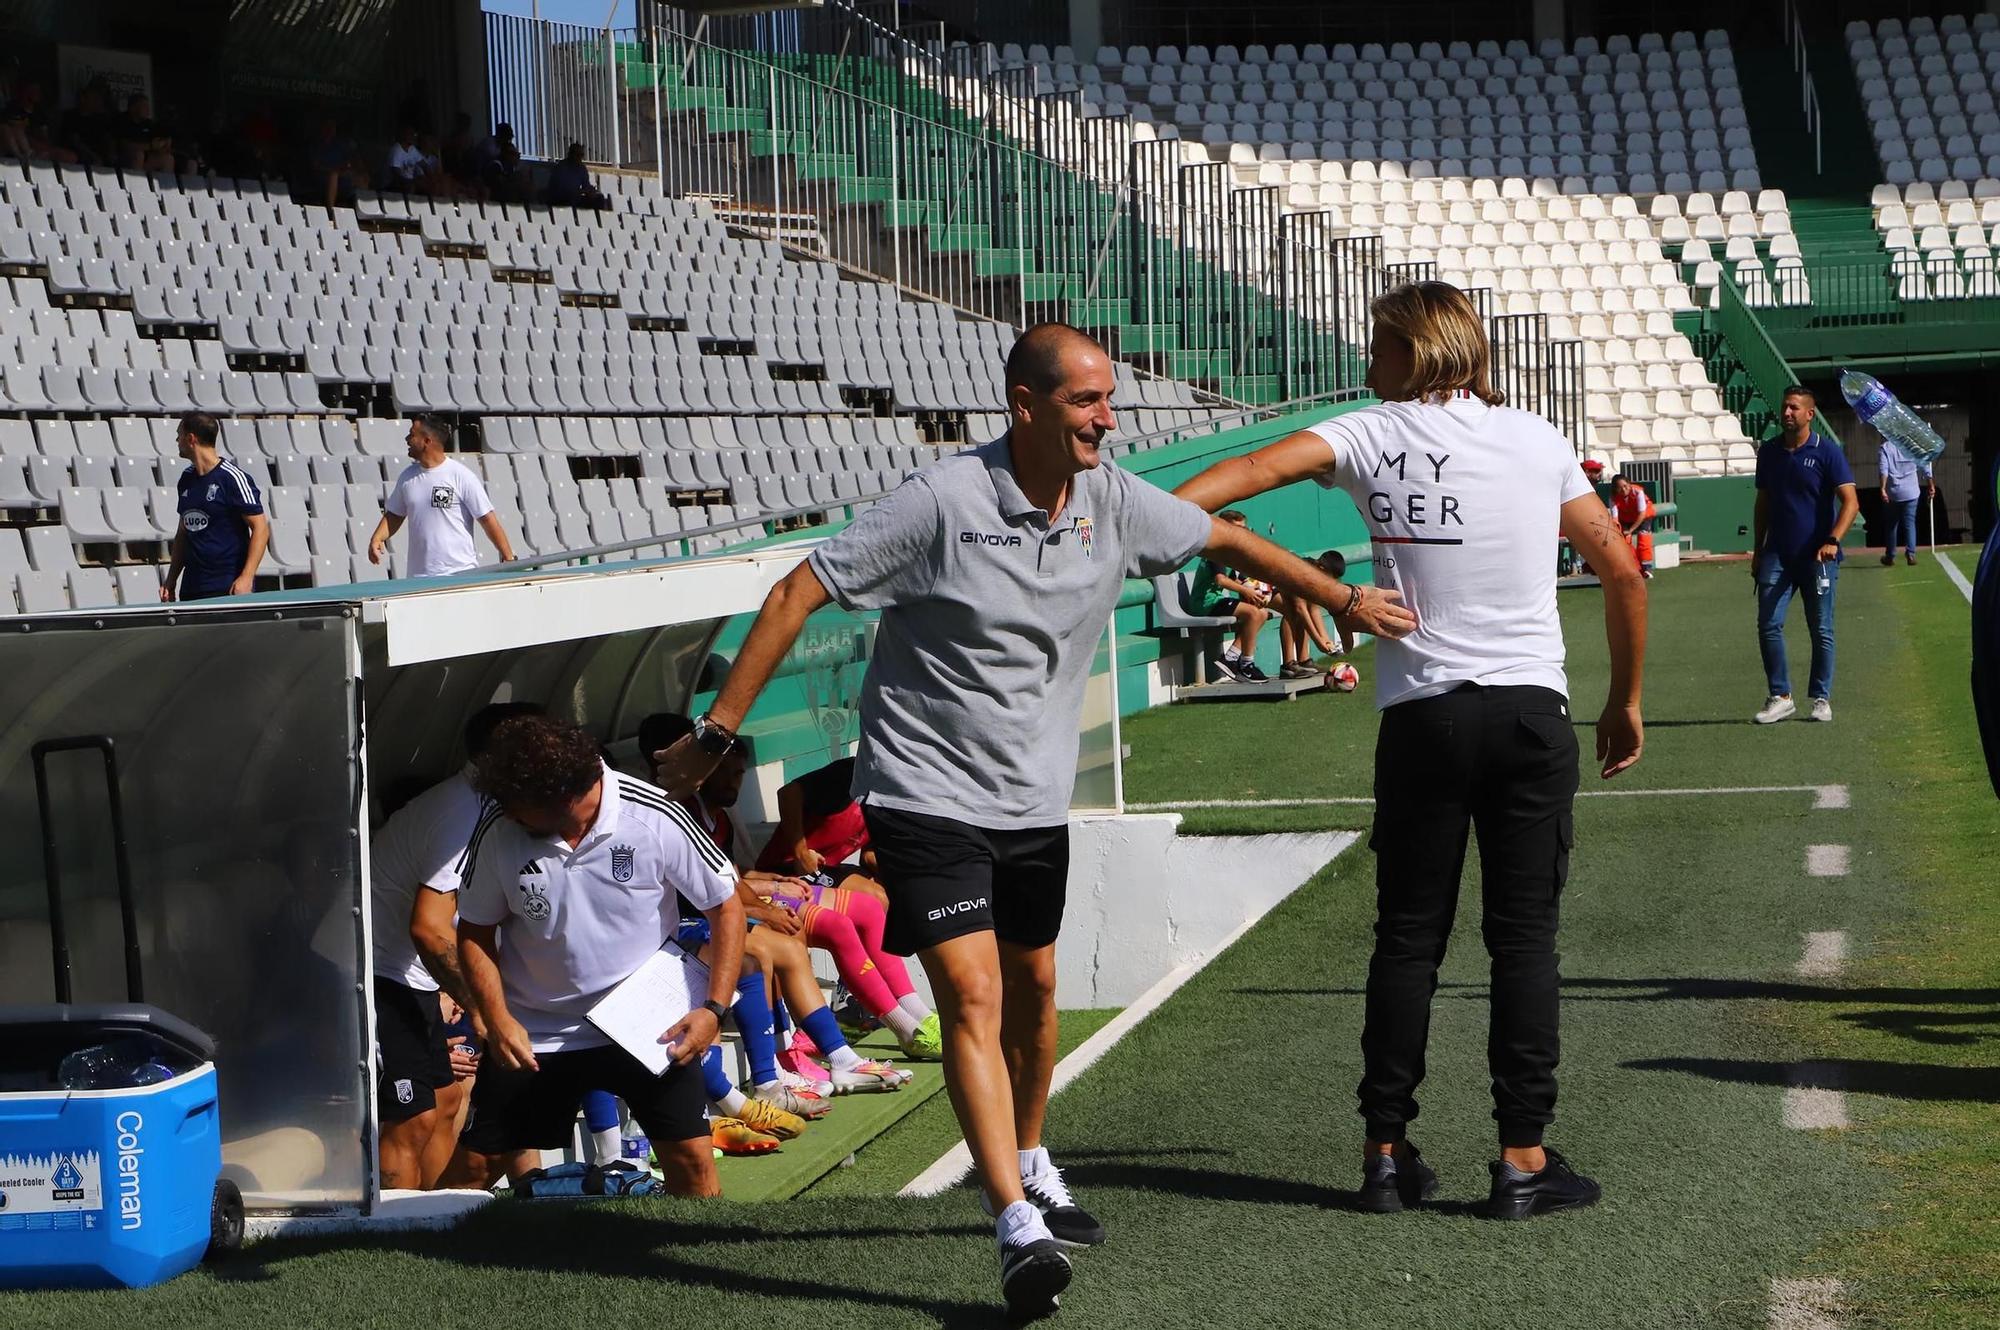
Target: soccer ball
<point x="1345" y="678"/>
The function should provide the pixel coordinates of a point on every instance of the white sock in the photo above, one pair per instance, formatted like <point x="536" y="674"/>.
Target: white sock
<point x="732" y="1103"/>
<point x="606" y="1146"/>
<point x="1035" y="1162"/>
<point x="843" y="1058"/>
<point x="1232" y="652"/>
<point x="1020" y="1223"/>
<point x="913" y="1004"/>
<point x="901" y="1023"/>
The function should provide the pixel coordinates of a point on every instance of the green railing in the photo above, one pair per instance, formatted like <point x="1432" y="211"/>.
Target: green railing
<point x="1853" y="310"/>
<point x="1744" y="330"/>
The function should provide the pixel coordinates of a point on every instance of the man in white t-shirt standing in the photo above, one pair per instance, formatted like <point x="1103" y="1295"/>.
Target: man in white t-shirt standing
<point x="1462" y="496"/>
<point x="573" y="882"/>
<point x="441" y="499"/>
<point x="415" y="862"/>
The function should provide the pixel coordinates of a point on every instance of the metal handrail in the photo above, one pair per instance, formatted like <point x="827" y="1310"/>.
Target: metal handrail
<point x="1795" y="39"/>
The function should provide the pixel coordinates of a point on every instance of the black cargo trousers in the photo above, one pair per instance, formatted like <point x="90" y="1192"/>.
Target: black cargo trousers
<point x="1502" y="761"/>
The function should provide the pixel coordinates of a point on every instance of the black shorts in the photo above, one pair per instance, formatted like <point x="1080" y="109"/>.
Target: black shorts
<point x="536" y="1110"/>
<point x="411" y="1060"/>
<point x="947" y="878"/>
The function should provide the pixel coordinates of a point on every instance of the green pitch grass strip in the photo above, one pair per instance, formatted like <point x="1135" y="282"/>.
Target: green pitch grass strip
<point x="1219" y="1136"/>
<point x="855" y="1121"/>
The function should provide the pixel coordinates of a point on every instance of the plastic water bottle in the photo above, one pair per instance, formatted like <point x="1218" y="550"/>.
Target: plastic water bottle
<point x="1878" y="407"/>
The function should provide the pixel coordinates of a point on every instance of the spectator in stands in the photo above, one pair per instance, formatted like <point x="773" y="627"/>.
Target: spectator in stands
<point x="333" y="166"/>
<point x="1634" y="509"/>
<point x="569" y="183"/>
<point x="415" y="860"/>
<point x="970" y="717"/>
<point x="442" y="499"/>
<point x="223" y="530"/>
<point x="568" y="890"/>
<point x="1904" y="482"/>
<point x="500" y="172"/>
<point x="89" y="128"/>
<point x="1476" y="731"/>
<point x="1805" y="503"/>
<point x="143" y="143"/>
<point x="24" y="126"/>
<point x="411" y="169"/>
<point x="1222" y="593"/>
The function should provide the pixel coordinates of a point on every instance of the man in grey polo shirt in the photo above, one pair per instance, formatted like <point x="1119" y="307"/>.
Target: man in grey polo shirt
<point x="996" y="571"/>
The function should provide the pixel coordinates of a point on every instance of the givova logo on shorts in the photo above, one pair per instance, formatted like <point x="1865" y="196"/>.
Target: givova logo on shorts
<point x="957" y="907"/>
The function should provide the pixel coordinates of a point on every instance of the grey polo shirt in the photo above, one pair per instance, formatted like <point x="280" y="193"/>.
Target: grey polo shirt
<point x="990" y="619"/>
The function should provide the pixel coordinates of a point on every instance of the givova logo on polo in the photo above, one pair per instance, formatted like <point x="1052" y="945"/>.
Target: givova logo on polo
<point x="986" y="538"/>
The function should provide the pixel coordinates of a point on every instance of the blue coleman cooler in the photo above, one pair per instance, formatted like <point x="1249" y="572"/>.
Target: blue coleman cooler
<point x="110" y="1145"/>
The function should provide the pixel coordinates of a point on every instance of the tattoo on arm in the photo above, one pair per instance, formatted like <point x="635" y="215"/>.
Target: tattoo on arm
<point x="443" y="964"/>
<point x="1605" y="531"/>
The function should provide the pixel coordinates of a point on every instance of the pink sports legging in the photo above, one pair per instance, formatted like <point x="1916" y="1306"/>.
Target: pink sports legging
<point x="848" y="926"/>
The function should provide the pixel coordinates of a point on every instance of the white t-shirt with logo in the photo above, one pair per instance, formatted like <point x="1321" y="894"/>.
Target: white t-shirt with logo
<point x="1463" y="502"/>
<point x="422" y="846"/>
<point x="441" y="506"/>
<point x="576" y="922"/>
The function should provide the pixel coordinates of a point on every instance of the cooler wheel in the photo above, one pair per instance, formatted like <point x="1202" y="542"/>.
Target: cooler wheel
<point x="225" y="1220"/>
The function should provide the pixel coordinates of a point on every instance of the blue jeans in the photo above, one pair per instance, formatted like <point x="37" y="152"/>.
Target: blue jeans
<point x="1775" y="585"/>
<point x="1900" y="516"/>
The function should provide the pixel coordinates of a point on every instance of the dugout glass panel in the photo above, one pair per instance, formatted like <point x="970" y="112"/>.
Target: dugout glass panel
<point x="1099" y="749"/>
<point x="235" y="738"/>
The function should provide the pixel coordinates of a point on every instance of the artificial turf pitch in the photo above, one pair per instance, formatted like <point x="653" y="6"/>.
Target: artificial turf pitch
<point x="1218" y="1140"/>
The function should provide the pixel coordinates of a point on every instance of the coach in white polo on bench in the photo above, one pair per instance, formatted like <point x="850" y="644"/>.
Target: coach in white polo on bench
<point x="571" y="885"/>
<point x="996" y="571"/>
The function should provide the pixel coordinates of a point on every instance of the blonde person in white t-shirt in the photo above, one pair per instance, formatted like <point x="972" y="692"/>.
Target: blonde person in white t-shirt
<point x="441" y="499"/>
<point x="1460" y="494"/>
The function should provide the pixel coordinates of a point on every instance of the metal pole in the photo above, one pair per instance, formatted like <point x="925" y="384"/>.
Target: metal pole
<point x="611" y="88"/>
<point x="659" y="143"/>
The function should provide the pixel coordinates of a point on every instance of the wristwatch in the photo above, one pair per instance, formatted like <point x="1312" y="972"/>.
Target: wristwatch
<point x="716" y="1009"/>
<point x="712" y="738"/>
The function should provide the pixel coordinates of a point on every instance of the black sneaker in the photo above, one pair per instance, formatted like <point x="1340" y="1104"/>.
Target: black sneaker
<point x="1298" y="670"/>
<point x="1069" y="1223"/>
<point x="1225" y="668"/>
<point x="1518" y="1195"/>
<point x="1389" y="1184"/>
<point x="1032" y="1278"/>
<point x="1249" y="672"/>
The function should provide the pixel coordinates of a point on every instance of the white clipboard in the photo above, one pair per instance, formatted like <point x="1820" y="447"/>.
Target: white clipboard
<point x="636" y="1012"/>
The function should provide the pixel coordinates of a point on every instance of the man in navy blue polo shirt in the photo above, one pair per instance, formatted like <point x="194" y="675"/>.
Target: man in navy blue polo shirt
<point x="1805" y="502"/>
<point x="223" y="530"/>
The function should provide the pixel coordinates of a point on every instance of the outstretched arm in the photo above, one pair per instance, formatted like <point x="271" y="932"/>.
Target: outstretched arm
<point x="1296" y="457"/>
<point x="1365" y="608"/>
<point x="1593" y="532"/>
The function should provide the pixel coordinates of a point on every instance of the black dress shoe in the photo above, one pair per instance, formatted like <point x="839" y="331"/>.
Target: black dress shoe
<point x="1389" y="1184"/>
<point x="1518" y="1195"/>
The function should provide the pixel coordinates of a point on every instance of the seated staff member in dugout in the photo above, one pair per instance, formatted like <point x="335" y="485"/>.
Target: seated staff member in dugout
<point x="1460" y="493"/>
<point x="415" y="863"/>
<point x="570" y="887"/>
<point x="996" y="571"/>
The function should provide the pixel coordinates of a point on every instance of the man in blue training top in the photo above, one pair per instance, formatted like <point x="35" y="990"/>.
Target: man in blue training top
<point x="223" y="530"/>
<point x="1805" y="502"/>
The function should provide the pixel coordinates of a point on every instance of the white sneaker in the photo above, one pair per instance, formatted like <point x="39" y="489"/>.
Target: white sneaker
<point x="1822" y="709"/>
<point x="1776" y="709"/>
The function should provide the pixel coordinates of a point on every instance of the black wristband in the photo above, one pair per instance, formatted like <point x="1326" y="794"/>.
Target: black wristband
<point x="1353" y="599"/>
<point x="713" y="738"/>
<point x="715" y="1009"/>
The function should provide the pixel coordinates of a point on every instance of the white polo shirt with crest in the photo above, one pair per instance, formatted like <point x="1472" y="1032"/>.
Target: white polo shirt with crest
<point x="577" y="921"/>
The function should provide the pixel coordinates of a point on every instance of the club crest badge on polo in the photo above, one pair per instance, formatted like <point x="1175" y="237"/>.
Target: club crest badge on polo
<point x="621" y="863"/>
<point x="534" y="893"/>
<point x="1083" y="536"/>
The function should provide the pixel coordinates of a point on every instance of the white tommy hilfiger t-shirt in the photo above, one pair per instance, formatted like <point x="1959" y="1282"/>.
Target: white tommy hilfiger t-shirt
<point x="441" y="506"/>
<point x="577" y="922"/>
<point x="1463" y="502"/>
<point x="422" y="847"/>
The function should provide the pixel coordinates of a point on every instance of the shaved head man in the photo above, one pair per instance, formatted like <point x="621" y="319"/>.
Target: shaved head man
<point x="996" y="571"/>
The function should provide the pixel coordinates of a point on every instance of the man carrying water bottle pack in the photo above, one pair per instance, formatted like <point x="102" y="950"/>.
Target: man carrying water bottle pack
<point x="1806" y="500"/>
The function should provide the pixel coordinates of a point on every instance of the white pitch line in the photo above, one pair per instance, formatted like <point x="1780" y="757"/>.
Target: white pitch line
<point x="1814" y="1100"/>
<point x="1826" y="860"/>
<point x="1805" y="1304"/>
<point x="956" y="1162"/>
<point x="1957" y="578"/>
<point x="1825" y="955"/>
<point x="1824" y="796"/>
